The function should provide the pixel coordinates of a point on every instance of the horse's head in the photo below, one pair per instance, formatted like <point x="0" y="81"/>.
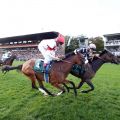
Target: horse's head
<point x="10" y="60"/>
<point x="12" y="57"/>
<point x="107" y="56"/>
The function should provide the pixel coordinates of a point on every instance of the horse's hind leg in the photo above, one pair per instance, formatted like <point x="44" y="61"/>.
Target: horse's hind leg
<point x="33" y="79"/>
<point x="91" y="85"/>
<point x="80" y="85"/>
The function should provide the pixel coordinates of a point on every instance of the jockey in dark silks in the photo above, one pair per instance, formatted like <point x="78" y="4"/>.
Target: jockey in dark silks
<point x="88" y="52"/>
<point x="88" y="55"/>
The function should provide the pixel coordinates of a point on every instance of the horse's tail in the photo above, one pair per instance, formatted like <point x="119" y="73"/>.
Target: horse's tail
<point x="7" y="68"/>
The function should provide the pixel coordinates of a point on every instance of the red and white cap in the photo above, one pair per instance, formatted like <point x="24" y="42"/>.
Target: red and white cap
<point x="60" y="39"/>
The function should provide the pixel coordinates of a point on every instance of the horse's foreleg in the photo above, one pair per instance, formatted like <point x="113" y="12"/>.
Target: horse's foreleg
<point x="91" y="85"/>
<point x="43" y="89"/>
<point x="66" y="87"/>
<point x="75" y="91"/>
<point x="59" y="87"/>
<point x="73" y="86"/>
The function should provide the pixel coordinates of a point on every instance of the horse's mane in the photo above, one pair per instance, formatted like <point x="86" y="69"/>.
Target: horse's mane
<point x="95" y="58"/>
<point x="102" y="53"/>
<point x="69" y="54"/>
<point x="66" y="56"/>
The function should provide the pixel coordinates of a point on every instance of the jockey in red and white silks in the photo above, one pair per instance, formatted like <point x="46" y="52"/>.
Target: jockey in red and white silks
<point x="48" y="48"/>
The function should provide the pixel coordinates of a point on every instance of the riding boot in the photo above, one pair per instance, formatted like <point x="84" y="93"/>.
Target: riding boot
<point x="46" y="73"/>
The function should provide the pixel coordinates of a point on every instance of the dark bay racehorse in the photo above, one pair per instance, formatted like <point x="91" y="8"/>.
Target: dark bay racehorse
<point x="92" y="68"/>
<point x="58" y="73"/>
<point x="8" y="61"/>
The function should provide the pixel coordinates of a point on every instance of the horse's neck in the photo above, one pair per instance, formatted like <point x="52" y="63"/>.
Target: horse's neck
<point x="65" y="65"/>
<point x="97" y="64"/>
<point x="9" y="61"/>
<point x="69" y="62"/>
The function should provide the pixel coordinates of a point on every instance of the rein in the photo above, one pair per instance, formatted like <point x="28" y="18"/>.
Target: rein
<point x="101" y="59"/>
<point x="66" y="61"/>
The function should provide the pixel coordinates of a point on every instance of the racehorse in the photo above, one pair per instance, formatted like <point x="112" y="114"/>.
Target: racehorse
<point x="57" y="75"/>
<point x="8" y="61"/>
<point x="93" y="67"/>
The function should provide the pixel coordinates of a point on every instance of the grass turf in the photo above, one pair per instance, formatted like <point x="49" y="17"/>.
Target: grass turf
<point x="19" y="102"/>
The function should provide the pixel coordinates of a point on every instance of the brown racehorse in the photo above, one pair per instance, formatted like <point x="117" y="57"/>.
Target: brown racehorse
<point x="8" y="61"/>
<point x="91" y="68"/>
<point x="58" y="73"/>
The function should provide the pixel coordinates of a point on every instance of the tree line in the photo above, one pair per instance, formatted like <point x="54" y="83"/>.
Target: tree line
<point x="98" y="41"/>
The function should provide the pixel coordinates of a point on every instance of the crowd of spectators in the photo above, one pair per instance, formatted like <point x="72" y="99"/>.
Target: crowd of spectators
<point x="113" y="42"/>
<point x="26" y="54"/>
<point x="115" y="51"/>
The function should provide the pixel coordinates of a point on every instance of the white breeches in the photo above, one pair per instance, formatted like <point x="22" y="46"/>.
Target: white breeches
<point x="46" y="54"/>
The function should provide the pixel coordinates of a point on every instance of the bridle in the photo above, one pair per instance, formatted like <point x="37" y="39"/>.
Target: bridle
<point x="104" y="60"/>
<point x="66" y="61"/>
<point x="101" y="59"/>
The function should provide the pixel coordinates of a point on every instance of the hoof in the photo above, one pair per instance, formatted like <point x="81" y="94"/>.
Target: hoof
<point x="82" y="91"/>
<point x="35" y="88"/>
<point x="42" y="91"/>
<point x="60" y="93"/>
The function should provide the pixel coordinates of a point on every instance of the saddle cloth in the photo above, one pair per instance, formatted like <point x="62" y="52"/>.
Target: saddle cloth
<point x="38" y="67"/>
<point x="78" y="69"/>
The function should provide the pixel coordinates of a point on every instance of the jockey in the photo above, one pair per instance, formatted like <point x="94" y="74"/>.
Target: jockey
<point x="6" y="55"/>
<point x="48" y="49"/>
<point x="88" y="52"/>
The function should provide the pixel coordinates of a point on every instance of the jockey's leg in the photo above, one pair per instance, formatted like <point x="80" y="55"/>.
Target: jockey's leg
<point x="46" y="72"/>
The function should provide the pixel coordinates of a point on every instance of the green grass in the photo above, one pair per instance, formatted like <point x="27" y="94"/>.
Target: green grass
<point x="19" y="102"/>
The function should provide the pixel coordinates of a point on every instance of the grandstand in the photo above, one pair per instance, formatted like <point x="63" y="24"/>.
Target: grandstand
<point x="112" y="43"/>
<point x="25" y="46"/>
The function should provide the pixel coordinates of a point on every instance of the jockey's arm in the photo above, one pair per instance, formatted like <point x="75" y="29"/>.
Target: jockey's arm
<point x="52" y="55"/>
